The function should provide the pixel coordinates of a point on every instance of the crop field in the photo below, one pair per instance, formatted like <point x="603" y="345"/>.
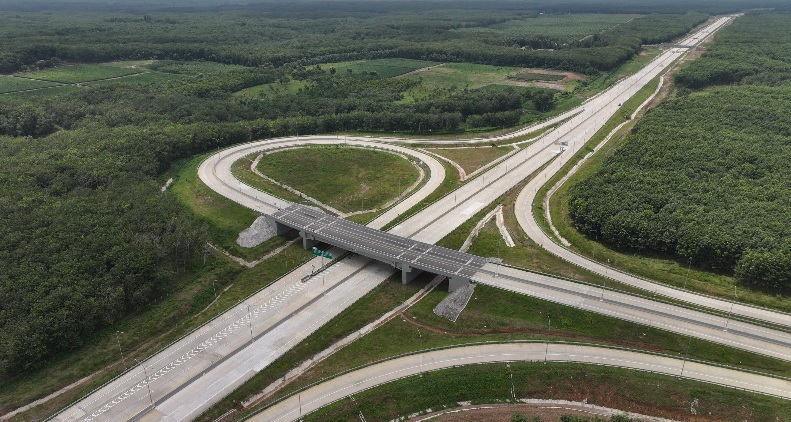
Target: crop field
<point x="13" y="84"/>
<point x="386" y="68"/>
<point x="193" y="67"/>
<point x="461" y="75"/>
<point x="81" y="73"/>
<point x="563" y="27"/>
<point x="148" y="78"/>
<point x="259" y="91"/>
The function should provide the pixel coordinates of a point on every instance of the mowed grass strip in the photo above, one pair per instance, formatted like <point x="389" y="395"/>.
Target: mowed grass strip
<point x="471" y="159"/>
<point x="81" y="73"/>
<point x="13" y="84"/>
<point x="623" y="389"/>
<point x="349" y="179"/>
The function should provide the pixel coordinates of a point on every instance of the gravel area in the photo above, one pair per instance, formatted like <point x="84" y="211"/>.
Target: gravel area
<point x="259" y="232"/>
<point x="454" y="303"/>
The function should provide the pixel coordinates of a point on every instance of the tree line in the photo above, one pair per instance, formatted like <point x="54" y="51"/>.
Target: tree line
<point x="704" y="177"/>
<point x="267" y="37"/>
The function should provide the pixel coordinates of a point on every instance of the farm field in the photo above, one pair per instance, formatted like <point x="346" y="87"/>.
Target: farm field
<point x="81" y="73"/>
<point x="463" y="75"/>
<point x="567" y="27"/>
<point x="192" y="67"/>
<point x="14" y="84"/>
<point x="386" y="68"/>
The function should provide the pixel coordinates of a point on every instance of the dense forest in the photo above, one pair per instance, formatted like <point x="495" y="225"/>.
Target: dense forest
<point x="86" y="235"/>
<point x="705" y="177"/>
<point x="280" y="36"/>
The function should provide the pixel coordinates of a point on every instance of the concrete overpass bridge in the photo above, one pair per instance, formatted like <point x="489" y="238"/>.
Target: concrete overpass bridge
<point x="409" y="256"/>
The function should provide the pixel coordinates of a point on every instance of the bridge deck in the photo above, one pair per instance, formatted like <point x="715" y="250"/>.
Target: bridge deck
<point x="396" y="250"/>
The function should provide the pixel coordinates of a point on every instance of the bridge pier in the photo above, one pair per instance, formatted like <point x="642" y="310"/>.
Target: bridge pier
<point x="308" y="241"/>
<point x="455" y="283"/>
<point x="408" y="274"/>
<point x="280" y="229"/>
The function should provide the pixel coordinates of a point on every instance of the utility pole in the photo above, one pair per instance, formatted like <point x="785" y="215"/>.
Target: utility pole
<point x="729" y="318"/>
<point x="250" y="321"/>
<point x="148" y="384"/>
<point x="118" y="338"/>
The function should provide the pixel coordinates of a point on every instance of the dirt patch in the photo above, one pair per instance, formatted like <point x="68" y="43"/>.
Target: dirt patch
<point x="540" y="84"/>
<point x="204" y="198"/>
<point x="568" y="76"/>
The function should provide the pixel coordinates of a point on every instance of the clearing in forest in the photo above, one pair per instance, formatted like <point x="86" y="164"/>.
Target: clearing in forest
<point x="565" y="28"/>
<point x="82" y="73"/>
<point x="386" y="68"/>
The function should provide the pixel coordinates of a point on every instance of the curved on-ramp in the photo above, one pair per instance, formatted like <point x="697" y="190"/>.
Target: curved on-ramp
<point x="317" y="396"/>
<point x="216" y="173"/>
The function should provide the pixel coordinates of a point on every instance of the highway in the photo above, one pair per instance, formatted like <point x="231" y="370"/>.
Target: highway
<point x="362" y="379"/>
<point x="232" y="348"/>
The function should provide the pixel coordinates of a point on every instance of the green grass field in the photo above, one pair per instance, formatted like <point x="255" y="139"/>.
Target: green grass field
<point x="471" y="159"/>
<point x="13" y="84"/>
<point x="81" y="73"/>
<point x="192" y="67"/>
<point x="642" y="392"/>
<point x="386" y="68"/>
<point x="497" y="315"/>
<point x="460" y="75"/>
<point x="536" y="76"/>
<point x="564" y="27"/>
<point x="258" y="91"/>
<point x="224" y="217"/>
<point x="348" y="179"/>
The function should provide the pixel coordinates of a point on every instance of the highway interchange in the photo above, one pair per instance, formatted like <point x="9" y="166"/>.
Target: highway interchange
<point x="186" y="378"/>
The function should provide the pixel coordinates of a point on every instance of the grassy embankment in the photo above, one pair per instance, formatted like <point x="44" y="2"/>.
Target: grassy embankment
<point x="495" y="315"/>
<point x="635" y="391"/>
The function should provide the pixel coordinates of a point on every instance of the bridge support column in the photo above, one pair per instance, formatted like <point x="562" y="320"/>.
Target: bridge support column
<point x="455" y="283"/>
<point x="280" y="229"/>
<point x="307" y="241"/>
<point x="409" y="274"/>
